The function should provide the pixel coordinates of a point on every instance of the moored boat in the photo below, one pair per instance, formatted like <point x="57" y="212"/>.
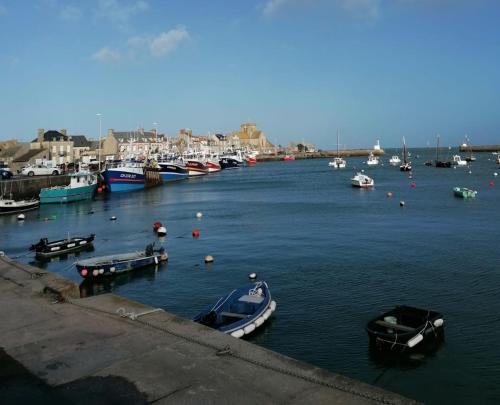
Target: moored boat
<point x="229" y="163"/>
<point x="241" y="311"/>
<point x="124" y="176"/>
<point x="372" y="160"/>
<point x="403" y="328"/>
<point x="213" y="165"/>
<point x="120" y="263"/>
<point x="457" y="161"/>
<point x="394" y="160"/>
<point x="463" y="192"/>
<point x="172" y="171"/>
<point x="406" y="165"/>
<point x="362" y="180"/>
<point x="44" y="248"/>
<point x="338" y="162"/>
<point x="195" y="167"/>
<point x="438" y="162"/>
<point x="82" y="186"/>
<point x="9" y="206"/>
<point x="289" y="157"/>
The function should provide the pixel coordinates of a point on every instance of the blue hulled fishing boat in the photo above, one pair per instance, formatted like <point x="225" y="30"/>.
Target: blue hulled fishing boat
<point x="241" y="311"/>
<point x="172" y="171"/>
<point x="124" y="176"/>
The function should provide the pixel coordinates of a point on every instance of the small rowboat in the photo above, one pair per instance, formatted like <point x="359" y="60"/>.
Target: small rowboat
<point x="116" y="264"/>
<point x="404" y="327"/>
<point x="241" y="311"/>
<point x="463" y="192"/>
<point x="44" y="248"/>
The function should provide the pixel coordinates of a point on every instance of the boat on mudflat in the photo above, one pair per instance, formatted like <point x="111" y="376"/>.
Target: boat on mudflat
<point x="120" y="263"/>
<point x="9" y="206"/>
<point x="82" y="186"/>
<point x="463" y="192"/>
<point x="362" y="180"/>
<point x="124" y="176"/>
<point x="404" y="328"/>
<point x="44" y="248"/>
<point x="241" y="311"/>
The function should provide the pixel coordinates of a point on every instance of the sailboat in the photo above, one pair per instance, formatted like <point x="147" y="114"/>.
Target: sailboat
<point x="440" y="163"/>
<point x="471" y="157"/>
<point x="406" y="166"/>
<point x="337" y="162"/>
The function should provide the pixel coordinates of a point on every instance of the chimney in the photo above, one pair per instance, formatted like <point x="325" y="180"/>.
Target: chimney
<point x="40" y="133"/>
<point x="63" y="131"/>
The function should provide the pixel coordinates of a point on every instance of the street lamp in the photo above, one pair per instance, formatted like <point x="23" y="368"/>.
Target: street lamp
<point x="100" y="126"/>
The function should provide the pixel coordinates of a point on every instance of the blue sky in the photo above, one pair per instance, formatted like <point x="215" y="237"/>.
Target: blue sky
<point x="300" y="69"/>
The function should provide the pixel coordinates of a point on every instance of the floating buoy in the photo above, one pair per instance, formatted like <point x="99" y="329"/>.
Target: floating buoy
<point x="492" y="183"/>
<point x="495" y="174"/>
<point x="199" y="215"/>
<point x="410" y="176"/>
<point x="157" y="225"/>
<point x="21" y="217"/>
<point x="84" y="272"/>
<point x="196" y="233"/>
<point x="252" y="276"/>
<point x="99" y="189"/>
<point x="413" y="184"/>
<point x="209" y="259"/>
<point x="389" y="194"/>
<point x="162" y="231"/>
<point x="113" y="218"/>
<point x="470" y="171"/>
<point x="401" y="203"/>
<point x="95" y="272"/>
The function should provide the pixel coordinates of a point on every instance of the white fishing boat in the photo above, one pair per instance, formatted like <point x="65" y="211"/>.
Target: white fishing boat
<point x="372" y="160"/>
<point x="362" y="180"/>
<point x="394" y="160"/>
<point x="457" y="161"/>
<point x="10" y="206"/>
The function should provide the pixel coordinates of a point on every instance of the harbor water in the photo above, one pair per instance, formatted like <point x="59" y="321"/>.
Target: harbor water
<point x="334" y="257"/>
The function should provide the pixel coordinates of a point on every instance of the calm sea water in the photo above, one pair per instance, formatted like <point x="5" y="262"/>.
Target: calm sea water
<point x="334" y="257"/>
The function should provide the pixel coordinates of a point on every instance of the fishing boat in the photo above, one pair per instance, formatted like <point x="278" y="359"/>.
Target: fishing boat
<point x="394" y="160"/>
<point x="463" y="192"/>
<point x="337" y="162"/>
<point x="440" y="163"/>
<point x="251" y="160"/>
<point x="82" y="186"/>
<point x="124" y="176"/>
<point x="289" y="157"/>
<point x="456" y="160"/>
<point x="404" y="328"/>
<point x="229" y="163"/>
<point x="241" y="311"/>
<point x="498" y="159"/>
<point x="172" y="171"/>
<point x="120" y="263"/>
<point x="44" y="248"/>
<point x="236" y="155"/>
<point x="195" y="167"/>
<point x="212" y="163"/>
<point x="362" y="180"/>
<point x="372" y="160"/>
<point x="9" y="206"/>
<point x="406" y="165"/>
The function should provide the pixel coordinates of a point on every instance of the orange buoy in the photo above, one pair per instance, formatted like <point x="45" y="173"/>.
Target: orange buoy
<point x="196" y="233"/>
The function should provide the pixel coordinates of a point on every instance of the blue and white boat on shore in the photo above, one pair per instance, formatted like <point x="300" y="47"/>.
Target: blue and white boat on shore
<point x="82" y="186"/>
<point x="124" y="176"/>
<point x="241" y="311"/>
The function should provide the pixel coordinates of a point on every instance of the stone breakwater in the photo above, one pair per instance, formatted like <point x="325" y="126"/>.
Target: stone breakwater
<point x="324" y="154"/>
<point x="67" y="341"/>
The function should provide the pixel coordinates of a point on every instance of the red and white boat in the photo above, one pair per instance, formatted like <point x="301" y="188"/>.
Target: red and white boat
<point x="251" y="160"/>
<point x="289" y="157"/>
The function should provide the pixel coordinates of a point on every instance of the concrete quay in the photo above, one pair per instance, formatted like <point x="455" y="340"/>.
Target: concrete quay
<point x="106" y="348"/>
<point x="29" y="187"/>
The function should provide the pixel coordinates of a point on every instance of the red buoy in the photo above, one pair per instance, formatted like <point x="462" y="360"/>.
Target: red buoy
<point x="196" y="233"/>
<point x="413" y="185"/>
<point x="99" y="189"/>
<point x="491" y="183"/>
<point x="84" y="272"/>
<point x="157" y="225"/>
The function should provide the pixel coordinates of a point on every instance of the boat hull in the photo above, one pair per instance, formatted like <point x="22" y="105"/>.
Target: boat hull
<point x="120" y="180"/>
<point x="65" y="195"/>
<point x="173" y="172"/>
<point x="196" y="168"/>
<point x="229" y="163"/>
<point x="60" y="247"/>
<point x="18" y="206"/>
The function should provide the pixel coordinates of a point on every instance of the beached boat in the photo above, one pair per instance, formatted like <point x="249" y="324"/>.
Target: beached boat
<point x="241" y="311"/>
<point x="124" y="176"/>
<point x="120" y="263"/>
<point x="457" y="161"/>
<point x="394" y="160"/>
<point x="372" y="160"/>
<point x="82" y="186"/>
<point x="44" y="248"/>
<point x="463" y="192"/>
<point x="289" y="157"/>
<point x="403" y="328"/>
<point x="337" y="162"/>
<point x="406" y="165"/>
<point x="362" y="180"/>
<point x="9" y="206"/>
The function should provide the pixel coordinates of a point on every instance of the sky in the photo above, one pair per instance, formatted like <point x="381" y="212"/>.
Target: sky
<point x="299" y="69"/>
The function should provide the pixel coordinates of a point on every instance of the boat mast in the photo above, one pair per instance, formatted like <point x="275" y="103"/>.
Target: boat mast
<point x="404" y="150"/>
<point x="437" y="148"/>
<point x="338" y="143"/>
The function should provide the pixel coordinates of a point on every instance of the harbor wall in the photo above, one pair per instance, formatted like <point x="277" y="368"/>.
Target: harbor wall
<point x="66" y="340"/>
<point x="324" y="154"/>
<point x="29" y="187"/>
<point x="479" y="148"/>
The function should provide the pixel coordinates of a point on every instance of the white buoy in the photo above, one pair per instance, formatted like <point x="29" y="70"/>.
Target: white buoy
<point x="209" y="259"/>
<point x="162" y="231"/>
<point x="401" y="203"/>
<point x="113" y="218"/>
<point x="21" y="217"/>
<point x="495" y="174"/>
<point x="199" y="215"/>
<point x="252" y="276"/>
<point x="470" y="171"/>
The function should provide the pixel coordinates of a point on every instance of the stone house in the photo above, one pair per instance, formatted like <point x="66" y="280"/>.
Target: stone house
<point x="249" y="135"/>
<point x="128" y="144"/>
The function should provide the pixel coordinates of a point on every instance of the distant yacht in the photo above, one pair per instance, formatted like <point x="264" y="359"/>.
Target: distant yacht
<point x="372" y="160"/>
<point x="362" y="180"/>
<point x="394" y="160"/>
<point x="337" y="162"/>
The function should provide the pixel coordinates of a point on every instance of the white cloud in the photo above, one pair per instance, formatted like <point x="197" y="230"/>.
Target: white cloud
<point x="162" y="44"/>
<point x="120" y="12"/>
<point x="272" y="6"/>
<point x="106" y="55"/>
<point x="70" y="13"/>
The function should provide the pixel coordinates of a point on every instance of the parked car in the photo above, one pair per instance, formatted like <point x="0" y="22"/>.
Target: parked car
<point x="5" y="174"/>
<point x="40" y="170"/>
